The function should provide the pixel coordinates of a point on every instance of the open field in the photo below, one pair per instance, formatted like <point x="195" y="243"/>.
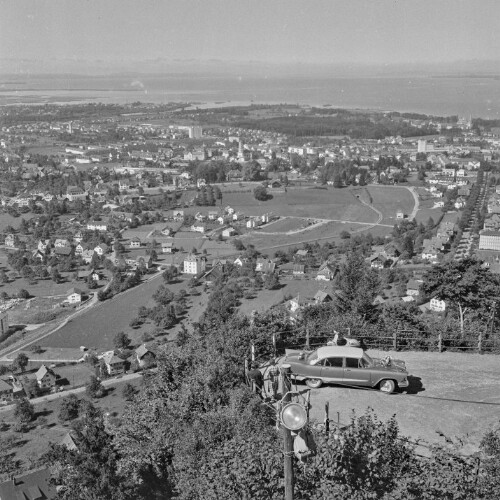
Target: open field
<point x="324" y="232"/>
<point x="430" y="407"/>
<point x="284" y="225"/>
<point x="424" y="213"/>
<point x="390" y="200"/>
<point x="7" y="220"/>
<point x="268" y="298"/>
<point x="96" y="327"/>
<point x="305" y="202"/>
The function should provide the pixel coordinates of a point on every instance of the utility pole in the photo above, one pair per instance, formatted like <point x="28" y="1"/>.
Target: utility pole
<point x="287" y="434"/>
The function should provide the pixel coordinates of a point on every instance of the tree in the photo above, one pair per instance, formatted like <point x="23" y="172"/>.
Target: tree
<point x="358" y="285"/>
<point x="271" y="281"/>
<point x="55" y="275"/>
<point x="91" y="471"/>
<point x="163" y="295"/>
<point x="128" y="392"/>
<point x="94" y="388"/>
<point x="337" y="181"/>
<point x="69" y="408"/>
<point x="260" y="193"/>
<point x="31" y="387"/>
<point x="24" y="411"/>
<point x="21" y="361"/>
<point x="464" y="284"/>
<point x="238" y="245"/>
<point x="121" y="341"/>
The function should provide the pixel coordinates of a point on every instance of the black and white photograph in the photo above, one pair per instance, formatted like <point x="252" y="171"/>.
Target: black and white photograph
<point x="249" y="250"/>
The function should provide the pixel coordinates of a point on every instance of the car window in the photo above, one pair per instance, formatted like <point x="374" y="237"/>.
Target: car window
<point x="312" y="358"/>
<point x="352" y="363"/>
<point x="335" y="362"/>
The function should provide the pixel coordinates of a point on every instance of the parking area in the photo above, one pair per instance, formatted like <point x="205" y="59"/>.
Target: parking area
<point x="451" y="394"/>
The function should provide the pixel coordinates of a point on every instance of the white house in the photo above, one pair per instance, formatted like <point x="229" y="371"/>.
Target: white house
<point x="228" y="232"/>
<point x="74" y="296"/>
<point x="45" y="377"/>
<point x="194" y="265"/>
<point x="97" y="226"/>
<point x="437" y="305"/>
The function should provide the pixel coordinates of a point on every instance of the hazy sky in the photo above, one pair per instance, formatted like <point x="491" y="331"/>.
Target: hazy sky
<point x="324" y="31"/>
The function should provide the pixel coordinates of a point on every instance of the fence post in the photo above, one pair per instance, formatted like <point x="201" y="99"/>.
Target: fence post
<point x="395" y="340"/>
<point x="480" y="343"/>
<point x="327" y="419"/>
<point x="440" y="342"/>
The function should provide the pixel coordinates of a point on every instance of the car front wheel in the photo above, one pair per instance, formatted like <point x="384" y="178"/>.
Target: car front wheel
<point x="387" y="386"/>
<point x="314" y="383"/>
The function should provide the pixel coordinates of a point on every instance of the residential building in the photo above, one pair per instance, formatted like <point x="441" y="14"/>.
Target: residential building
<point x="63" y="251"/>
<point x="194" y="264"/>
<point x="413" y="288"/>
<point x="45" y="378"/>
<point x="101" y="249"/>
<point x="61" y="243"/>
<point x="321" y="297"/>
<point x="74" y="296"/>
<point x="437" y="305"/>
<point x="489" y="240"/>
<point x="144" y="356"/>
<point x="135" y="242"/>
<point x="97" y="226"/>
<point x="10" y="240"/>
<point x="114" y="364"/>
<point x="33" y="485"/>
<point x="326" y="272"/>
<point x="167" y="247"/>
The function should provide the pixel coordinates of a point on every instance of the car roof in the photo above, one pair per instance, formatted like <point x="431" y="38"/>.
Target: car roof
<point x="335" y="350"/>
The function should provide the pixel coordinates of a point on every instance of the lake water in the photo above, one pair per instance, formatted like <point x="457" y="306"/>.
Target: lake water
<point x="476" y="96"/>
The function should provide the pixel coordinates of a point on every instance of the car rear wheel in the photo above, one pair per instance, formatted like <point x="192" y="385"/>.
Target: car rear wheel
<point x="314" y="383"/>
<point x="387" y="386"/>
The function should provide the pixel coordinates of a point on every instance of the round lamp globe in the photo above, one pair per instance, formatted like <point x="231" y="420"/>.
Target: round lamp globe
<point x="293" y="416"/>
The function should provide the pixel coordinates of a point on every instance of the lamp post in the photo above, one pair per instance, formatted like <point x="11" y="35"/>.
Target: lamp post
<point x="285" y="370"/>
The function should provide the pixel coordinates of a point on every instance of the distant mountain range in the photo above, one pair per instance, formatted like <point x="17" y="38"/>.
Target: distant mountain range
<point x="474" y="68"/>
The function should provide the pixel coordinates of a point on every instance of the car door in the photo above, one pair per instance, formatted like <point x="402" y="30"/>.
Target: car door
<point x="355" y="373"/>
<point x="333" y="369"/>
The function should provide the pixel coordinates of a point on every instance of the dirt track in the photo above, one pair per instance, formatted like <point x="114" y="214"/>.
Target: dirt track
<point x="455" y="394"/>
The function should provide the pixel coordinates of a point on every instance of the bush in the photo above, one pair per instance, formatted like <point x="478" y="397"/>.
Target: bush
<point x="4" y="369"/>
<point x="23" y="294"/>
<point x="147" y="337"/>
<point x="42" y="317"/>
<point x="260" y="193"/>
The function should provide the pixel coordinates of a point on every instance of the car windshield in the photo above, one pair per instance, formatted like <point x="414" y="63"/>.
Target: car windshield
<point x="366" y="360"/>
<point x="312" y="358"/>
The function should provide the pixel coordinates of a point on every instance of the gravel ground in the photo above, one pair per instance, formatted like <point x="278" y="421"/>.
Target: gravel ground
<point x="454" y="394"/>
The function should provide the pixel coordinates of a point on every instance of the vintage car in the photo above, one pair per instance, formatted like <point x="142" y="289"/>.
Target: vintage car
<point x="345" y="365"/>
